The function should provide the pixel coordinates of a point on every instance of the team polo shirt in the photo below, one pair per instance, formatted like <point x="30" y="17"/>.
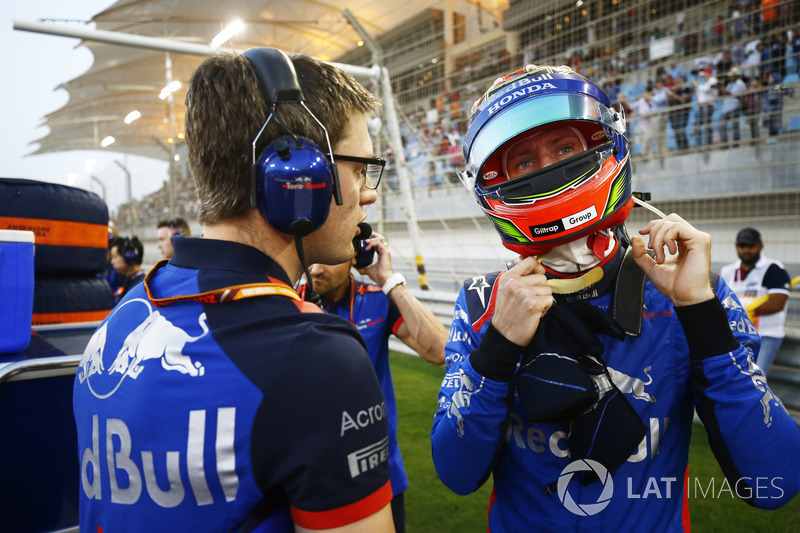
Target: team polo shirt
<point x="250" y="415"/>
<point x="376" y="317"/>
<point x="766" y="277"/>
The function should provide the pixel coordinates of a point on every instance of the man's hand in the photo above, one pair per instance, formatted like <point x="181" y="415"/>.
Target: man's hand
<point x="683" y="277"/>
<point x="523" y="297"/>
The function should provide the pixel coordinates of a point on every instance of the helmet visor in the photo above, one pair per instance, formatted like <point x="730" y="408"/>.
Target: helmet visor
<point x="532" y="113"/>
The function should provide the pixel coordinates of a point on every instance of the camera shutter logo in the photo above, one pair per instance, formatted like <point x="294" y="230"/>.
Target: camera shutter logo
<point x="585" y="509"/>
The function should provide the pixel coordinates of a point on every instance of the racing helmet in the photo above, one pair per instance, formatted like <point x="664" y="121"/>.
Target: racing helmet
<point x="572" y="198"/>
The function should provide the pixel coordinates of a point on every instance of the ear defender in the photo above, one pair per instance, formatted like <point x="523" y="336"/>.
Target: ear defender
<point x="293" y="185"/>
<point x="128" y="251"/>
<point x="291" y="178"/>
<point x="173" y="228"/>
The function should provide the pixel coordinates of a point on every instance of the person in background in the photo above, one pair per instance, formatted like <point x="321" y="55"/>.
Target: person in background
<point x="222" y="401"/>
<point x="772" y="102"/>
<point x="642" y="110"/>
<point x="167" y="230"/>
<point x="706" y="96"/>
<point x="732" y="106"/>
<point x="762" y="285"/>
<point x="679" y="116"/>
<point x="126" y="256"/>
<point x="377" y="312"/>
<point x="586" y="360"/>
<point x="753" y="107"/>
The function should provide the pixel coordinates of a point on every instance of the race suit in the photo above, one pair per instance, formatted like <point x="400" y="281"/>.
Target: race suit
<point x="251" y="414"/>
<point x="677" y="364"/>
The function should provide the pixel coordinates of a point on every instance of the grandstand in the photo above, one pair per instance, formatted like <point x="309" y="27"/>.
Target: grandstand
<point x="441" y="58"/>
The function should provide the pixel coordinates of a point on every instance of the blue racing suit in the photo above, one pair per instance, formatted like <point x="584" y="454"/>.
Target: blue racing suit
<point x="685" y="359"/>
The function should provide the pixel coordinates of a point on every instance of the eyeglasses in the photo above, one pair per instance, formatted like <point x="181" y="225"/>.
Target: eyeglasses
<point x="374" y="169"/>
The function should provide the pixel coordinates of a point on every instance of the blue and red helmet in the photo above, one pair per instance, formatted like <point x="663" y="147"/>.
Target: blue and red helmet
<point x="580" y="195"/>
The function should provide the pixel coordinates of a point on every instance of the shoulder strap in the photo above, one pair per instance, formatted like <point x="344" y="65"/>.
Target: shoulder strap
<point x="628" y="298"/>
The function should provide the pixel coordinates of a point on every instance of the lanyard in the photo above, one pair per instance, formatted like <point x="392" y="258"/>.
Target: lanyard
<point x="218" y="296"/>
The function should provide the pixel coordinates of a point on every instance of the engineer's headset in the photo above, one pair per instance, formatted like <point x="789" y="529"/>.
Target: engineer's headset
<point x="129" y="251"/>
<point x="174" y="229"/>
<point x="291" y="178"/>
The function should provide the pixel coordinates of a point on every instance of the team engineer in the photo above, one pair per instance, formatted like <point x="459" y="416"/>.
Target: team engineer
<point x="213" y="398"/>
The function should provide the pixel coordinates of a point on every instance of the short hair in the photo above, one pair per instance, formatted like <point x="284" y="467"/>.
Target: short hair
<point x="225" y="111"/>
<point x="176" y="225"/>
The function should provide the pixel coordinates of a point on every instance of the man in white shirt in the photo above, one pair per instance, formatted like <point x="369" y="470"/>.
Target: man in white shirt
<point x="762" y="285"/>
<point x="732" y="106"/>
<point x="706" y="94"/>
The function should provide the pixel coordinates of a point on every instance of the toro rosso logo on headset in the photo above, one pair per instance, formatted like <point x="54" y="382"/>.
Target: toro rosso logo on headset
<point x="301" y="182"/>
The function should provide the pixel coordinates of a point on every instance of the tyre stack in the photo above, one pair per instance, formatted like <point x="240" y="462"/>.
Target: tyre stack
<point x="71" y="228"/>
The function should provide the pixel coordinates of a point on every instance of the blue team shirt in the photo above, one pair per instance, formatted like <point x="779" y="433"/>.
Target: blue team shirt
<point x="255" y="414"/>
<point x="376" y="317"/>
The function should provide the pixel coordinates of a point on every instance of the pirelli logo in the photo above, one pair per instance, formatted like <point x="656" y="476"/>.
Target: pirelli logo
<point x="366" y="459"/>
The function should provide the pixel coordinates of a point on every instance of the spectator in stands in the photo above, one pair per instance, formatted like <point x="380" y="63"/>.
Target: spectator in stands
<point x="659" y="108"/>
<point x="762" y="285"/>
<point x="167" y="230"/>
<point x="378" y="311"/>
<point x="725" y="62"/>
<point x="732" y="106"/>
<point x="772" y="103"/>
<point x="681" y="96"/>
<point x="705" y="93"/>
<point x="752" y="62"/>
<point x="753" y="107"/>
<point x="675" y="70"/>
<point x="126" y="259"/>
<point x="642" y="110"/>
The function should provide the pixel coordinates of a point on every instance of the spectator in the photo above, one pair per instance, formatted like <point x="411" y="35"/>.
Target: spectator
<point x="753" y="107"/>
<point x="725" y="63"/>
<point x="377" y="314"/>
<point x="659" y="108"/>
<point x="705" y="94"/>
<point x="681" y="96"/>
<point x="226" y="402"/>
<point x="126" y="260"/>
<point x="642" y="110"/>
<point x="732" y="106"/>
<point x="762" y="285"/>
<point x="773" y="103"/>
<point x="167" y="230"/>
<point x="752" y="61"/>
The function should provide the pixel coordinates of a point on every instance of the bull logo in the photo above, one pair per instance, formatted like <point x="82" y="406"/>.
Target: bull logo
<point x="154" y="338"/>
<point x="460" y="400"/>
<point x="768" y="399"/>
<point x="633" y="385"/>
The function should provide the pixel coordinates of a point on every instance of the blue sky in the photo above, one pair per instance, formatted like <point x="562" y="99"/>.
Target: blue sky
<point x="33" y="65"/>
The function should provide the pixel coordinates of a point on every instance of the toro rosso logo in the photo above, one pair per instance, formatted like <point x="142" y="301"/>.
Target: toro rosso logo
<point x="105" y="365"/>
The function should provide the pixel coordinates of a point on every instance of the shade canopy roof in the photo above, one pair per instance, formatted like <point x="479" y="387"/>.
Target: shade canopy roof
<point x="125" y="79"/>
